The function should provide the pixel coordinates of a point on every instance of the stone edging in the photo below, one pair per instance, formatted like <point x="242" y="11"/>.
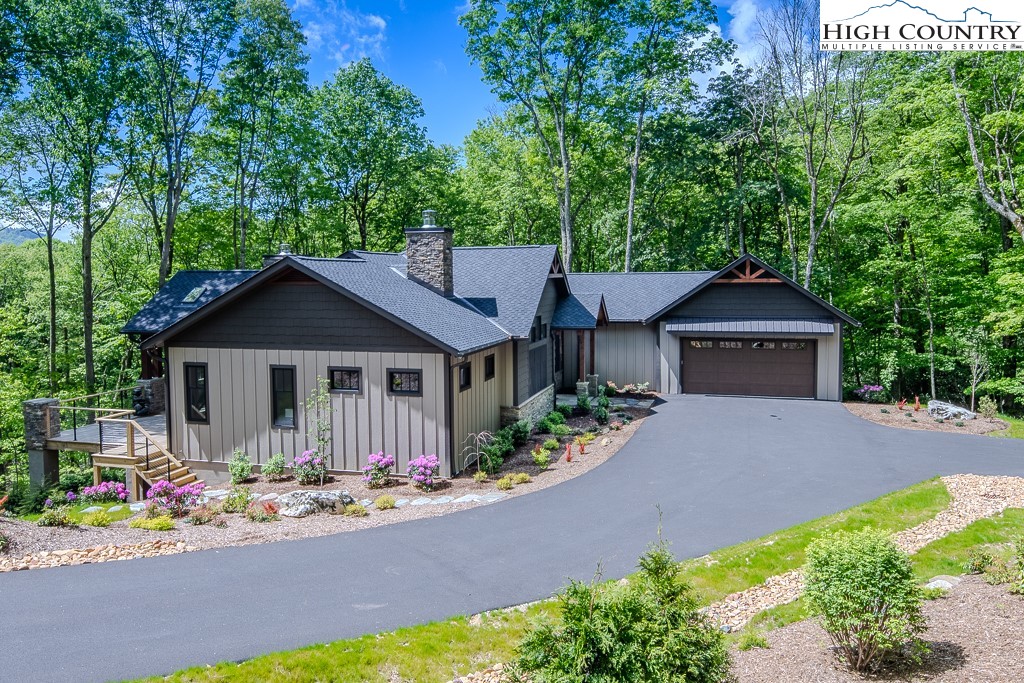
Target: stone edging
<point x="99" y="553"/>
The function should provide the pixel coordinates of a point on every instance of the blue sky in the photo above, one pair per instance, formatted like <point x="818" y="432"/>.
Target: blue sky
<point x="421" y="45"/>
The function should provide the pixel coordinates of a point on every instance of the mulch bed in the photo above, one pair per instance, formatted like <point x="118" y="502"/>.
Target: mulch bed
<point x="905" y="419"/>
<point x="975" y="634"/>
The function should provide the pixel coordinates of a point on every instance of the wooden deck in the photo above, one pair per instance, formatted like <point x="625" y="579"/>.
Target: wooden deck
<point x="86" y="438"/>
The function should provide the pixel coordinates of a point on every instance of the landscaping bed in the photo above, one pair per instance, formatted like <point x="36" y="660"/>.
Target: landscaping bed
<point x="28" y="541"/>
<point x="975" y="634"/>
<point x="908" y="418"/>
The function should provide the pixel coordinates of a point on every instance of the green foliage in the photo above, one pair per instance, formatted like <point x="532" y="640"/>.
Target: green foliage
<point x="556" y="417"/>
<point x="237" y="500"/>
<point x="505" y="483"/>
<point x="542" y="457"/>
<point x="582" y="405"/>
<point x="751" y="639"/>
<point x="561" y="430"/>
<point x="600" y="414"/>
<point x="263" y="512"/>
<point x="480" y="476"/>
<point x="161" y="523"/>
<point x="273" y="468"/>
<point x="520" y="432"/>
<point x="543" y="426"/>
<point x="58" y="516"/>
<point x="203" y="515"/>
<point x="863" y="588"/>
<point x="649" y="630"/>
<point x="355" y="510"/>
<point x="563" y="410"/>
<point x="240" y="467"/>
<point x="99" y="519"/>
<point x="603" y="402"/>
<point x="519" y="478"/>
<point x="385" y="502"/>
<point x="5" y="543"/>
<point x="978" y="560"/>
<point x="551" y="444"/>
<point x="988" y="408"/>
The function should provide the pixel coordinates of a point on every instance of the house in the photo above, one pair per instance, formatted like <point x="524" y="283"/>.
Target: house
<point x="426" y="348"/>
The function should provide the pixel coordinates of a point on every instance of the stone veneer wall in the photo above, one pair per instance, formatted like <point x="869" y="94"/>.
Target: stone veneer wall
<point x="532" y="409"/>
<point x="155" y="392"/>
<point x="428" y="253"/>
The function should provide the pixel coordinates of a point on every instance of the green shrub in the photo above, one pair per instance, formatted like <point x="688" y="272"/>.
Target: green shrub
<point x="751" y="639"/>
<point x="479" y="476"/>
<point x="582" y="405"/>
<point x="162" y="523"/>
<point x="555" y="417"/>
<point x="520" y="432"/>
<point x="552" y="445"/>
<point x="355" y="510"/>
<point x="863" y="588"/>
<point x="237" y="500"/>
<point x="600" y="414"/>
<point x="99" y="518"/>
<point x="384" y="502"/>
<point x="561" y="430"/>
<point x="1017" y="568"/>
<point x="5" y="542"/>
<point x="505" y="483"/>
<point x="978" y="560"/>
<point x="543" y="426"/>
<point x="563" y="409"/>
<point x="520" y="478"/>
<point x="55" y="516"/>
<point x="490" y="460"/>
<point x="240" y="467"/>
<point x="987" y="407"/>
<point x="939" y="420"/>
<point x="884" y="410"/>
<point x="648" y="630"/>
<point x="263" y="511"/>
<point x="273" y="468"/>
<point x="603" y="402"/>
<point x="933" y="593"/>
<point x="202" y="515"/>
<point x="541" y="458"/>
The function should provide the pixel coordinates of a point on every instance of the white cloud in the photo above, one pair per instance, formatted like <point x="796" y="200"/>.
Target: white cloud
<point x="440" y="67"/>
<point x="744" y="30"/>
<point x="343" y="34"/>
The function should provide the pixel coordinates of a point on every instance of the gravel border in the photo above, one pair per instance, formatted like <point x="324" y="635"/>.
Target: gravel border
<point x="29" y="540"/>
<point x="872" y="412"/>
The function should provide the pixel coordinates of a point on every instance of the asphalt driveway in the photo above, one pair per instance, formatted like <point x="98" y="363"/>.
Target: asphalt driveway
<point x="722" y="470"/>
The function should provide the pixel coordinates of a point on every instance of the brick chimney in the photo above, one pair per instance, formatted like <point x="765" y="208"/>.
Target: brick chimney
<point x="428" y="254"/>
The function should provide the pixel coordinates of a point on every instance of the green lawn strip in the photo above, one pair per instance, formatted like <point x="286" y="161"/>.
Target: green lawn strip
<point x="75" y="511"/>
<point x="438" y="652"/>
<point x="944" y="556"/>
<point x="1016" y="430"/>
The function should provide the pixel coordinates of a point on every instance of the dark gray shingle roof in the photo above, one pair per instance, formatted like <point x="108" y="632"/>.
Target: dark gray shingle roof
<point x="577" y="312"/>
<point x="167" y="306"/>
<point x="636" y="297"/>
<point x="752" y="325"/>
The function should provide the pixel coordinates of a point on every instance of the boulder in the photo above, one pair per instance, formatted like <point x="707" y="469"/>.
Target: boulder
<point x="303" y="503"/>
<point x="948" y="411"/>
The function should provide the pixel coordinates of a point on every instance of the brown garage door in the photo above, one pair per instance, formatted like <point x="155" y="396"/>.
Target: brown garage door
<point x="749" y="367"/>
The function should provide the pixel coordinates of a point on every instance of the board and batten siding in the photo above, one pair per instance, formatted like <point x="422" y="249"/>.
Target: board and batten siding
<point x="626" y="353"/>
<point x="362" y="423"/>
<point x="478" y="408"/>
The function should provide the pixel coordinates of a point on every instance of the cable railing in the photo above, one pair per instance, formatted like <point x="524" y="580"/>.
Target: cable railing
<point x="81" y="411"/>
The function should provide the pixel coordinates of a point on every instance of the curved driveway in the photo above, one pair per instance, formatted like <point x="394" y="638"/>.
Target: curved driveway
<point x="722" y="470"/>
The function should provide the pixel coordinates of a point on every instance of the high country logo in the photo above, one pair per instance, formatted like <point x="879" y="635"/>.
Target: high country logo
<point x="863" y="25"/>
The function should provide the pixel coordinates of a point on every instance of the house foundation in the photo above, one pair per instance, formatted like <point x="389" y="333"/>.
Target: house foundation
<point x="41" y="424"/>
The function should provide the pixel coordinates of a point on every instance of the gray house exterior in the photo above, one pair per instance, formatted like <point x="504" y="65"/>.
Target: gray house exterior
<point x="424" y="349"/>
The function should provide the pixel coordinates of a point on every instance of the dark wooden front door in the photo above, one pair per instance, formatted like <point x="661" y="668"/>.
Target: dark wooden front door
<point x="749" y="367"/>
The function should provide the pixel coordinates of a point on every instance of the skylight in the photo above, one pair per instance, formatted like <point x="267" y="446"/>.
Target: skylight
<point x="194" y="295"/>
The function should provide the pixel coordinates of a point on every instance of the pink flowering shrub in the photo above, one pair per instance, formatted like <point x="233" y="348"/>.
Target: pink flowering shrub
<point x="176" y="500"/>
<point x="377" y="473"/>
<point x="105" y="492"/>
<point x="423" y="470"/>
<point x="309" y="468"/>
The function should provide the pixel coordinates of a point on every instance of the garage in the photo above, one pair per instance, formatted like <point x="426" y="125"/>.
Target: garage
<point x="749" y="367"/>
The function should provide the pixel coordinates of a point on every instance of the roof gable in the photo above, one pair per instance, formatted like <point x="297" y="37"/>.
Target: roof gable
<point x="172" y="302"/>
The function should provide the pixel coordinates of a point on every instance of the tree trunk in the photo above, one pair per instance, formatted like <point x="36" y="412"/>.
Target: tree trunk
<point x="52" y="336"/>
<point x="634" y="168"/>
<point x="87" y="293"/>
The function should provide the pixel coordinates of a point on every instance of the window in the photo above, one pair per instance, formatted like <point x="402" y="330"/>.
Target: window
<point x="193" y="296"/>
<point x="346" y="380"/>
<point x="538" y="369"/>
<point x="282" y="395"/>
<point x="488" y="367"/>
<point x="539" y="331"/>
<point x="404" y="382"/>
<point x="196" y="405"/>
<point x="701" y="344"/>
<point x="730" y="345"/>
<point x="465" y="376"/>
<point x="766" y="345"/>
<point x="794" y="346"/>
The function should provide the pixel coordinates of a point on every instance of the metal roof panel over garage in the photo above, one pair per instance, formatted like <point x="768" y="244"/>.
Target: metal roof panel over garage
<point x="750" y="325"/>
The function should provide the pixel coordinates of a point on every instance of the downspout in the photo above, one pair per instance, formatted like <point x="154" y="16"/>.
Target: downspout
<point x="449" y="419"/>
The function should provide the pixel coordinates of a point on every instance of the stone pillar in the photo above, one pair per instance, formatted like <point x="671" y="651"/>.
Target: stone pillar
<point x="428" y="255"/>
<point x="582" y="389"/>
<point x="41" y="423"/>
<point x="154" y="392"/>
<point x="592" y="383"/>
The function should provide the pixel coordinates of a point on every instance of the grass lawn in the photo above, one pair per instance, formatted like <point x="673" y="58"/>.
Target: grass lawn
<point x="1016" y="430"/>
<point x="438" y="652"/>
<point x="75" y="511"/>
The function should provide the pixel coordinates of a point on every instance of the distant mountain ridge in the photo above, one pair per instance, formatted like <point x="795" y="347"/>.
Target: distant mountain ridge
<point x="15" y="236"/>
<point x="904" y="5"/>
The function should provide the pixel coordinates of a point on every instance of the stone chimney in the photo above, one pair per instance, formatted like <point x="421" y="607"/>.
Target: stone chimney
<point x="271" y="259"/>
<point x="428" y="253"/>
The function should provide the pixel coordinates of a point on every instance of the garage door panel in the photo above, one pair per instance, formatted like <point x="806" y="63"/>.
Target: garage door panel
<point x="776" y="368"/>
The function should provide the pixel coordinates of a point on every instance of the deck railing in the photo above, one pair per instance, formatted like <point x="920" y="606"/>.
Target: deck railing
<point x="83" y="410"/>
<point x="139" y="444"/>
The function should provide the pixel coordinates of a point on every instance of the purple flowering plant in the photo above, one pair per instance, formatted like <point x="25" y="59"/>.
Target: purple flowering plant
<point x="423" y="470"/>
<point x="310" y="468"/>
<point x="70" y="495"/>
<point x="869" y="393"/>
<point x="104" y="492"/>
<point x="177" y="500"/>
<point x="377" y="472"/>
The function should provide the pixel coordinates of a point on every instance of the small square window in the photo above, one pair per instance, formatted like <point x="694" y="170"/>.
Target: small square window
<point x="701" y="344"/>
<point x="794" y="346"/>
<point x="489" y="367"/>
<point x="764" y="345"/>
<point x="465" y="376"/>
<point x="347" y="380"/>
<point x="730" y="345"/>
<point x="404" y="382"/>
